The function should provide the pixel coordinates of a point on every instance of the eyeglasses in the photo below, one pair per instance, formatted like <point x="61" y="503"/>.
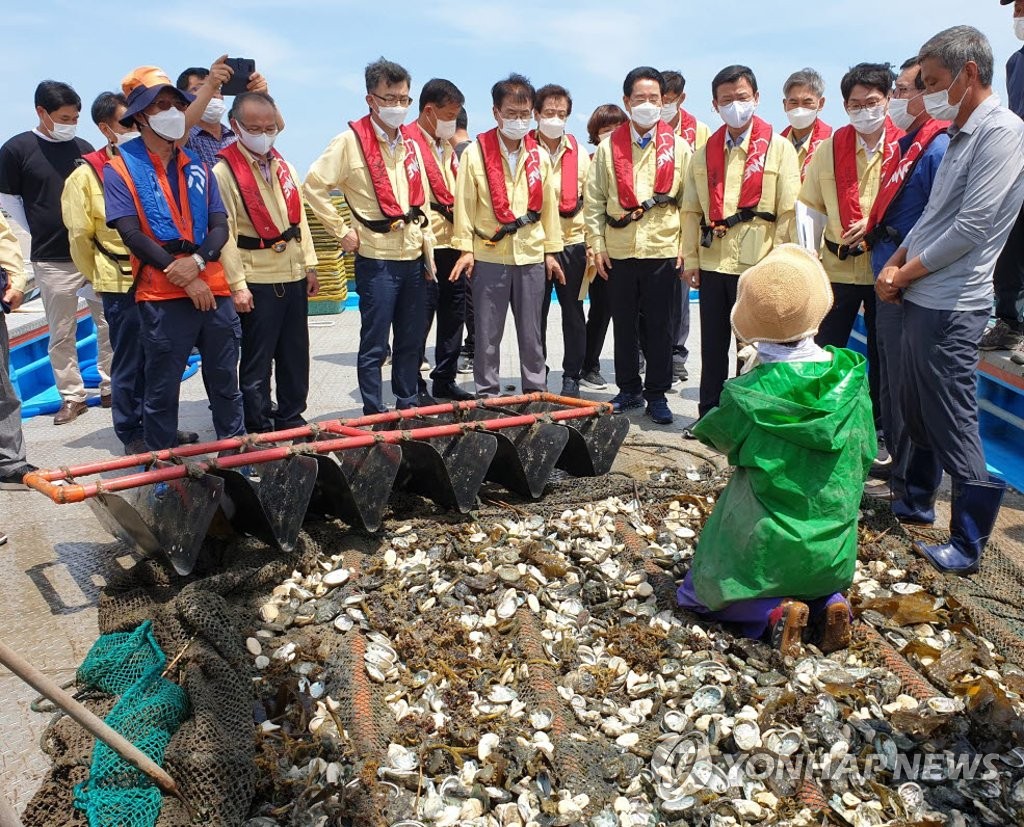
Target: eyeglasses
<point x="860" y="107"/>
<point x="393" y="100"/>
<point x="165" y="104"/>
<point x="269" y="131"/>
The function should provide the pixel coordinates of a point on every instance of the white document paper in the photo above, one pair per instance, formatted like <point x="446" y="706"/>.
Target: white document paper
<point x="810" y="226"/>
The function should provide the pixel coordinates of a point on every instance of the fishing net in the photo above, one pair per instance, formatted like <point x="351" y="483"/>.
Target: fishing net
<point x="149" y="711"/>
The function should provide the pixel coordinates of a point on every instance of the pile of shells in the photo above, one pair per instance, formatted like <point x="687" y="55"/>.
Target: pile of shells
<point x="530" y="672"/>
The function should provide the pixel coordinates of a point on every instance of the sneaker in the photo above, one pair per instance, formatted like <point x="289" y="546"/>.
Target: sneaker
<point x="593" y="380"/>
<point x="881" y="467"/>
<point x="877" y="488"/>
<point x="677" y="383"/>
<point x="570" y="388"/>
<point x="786" y="625"/>
<point x="12" y="480"/>
<point x="622" y="402"/>
<point x="69" y="412"/>
<point x="1017" y="354"/>
<point x="679" y="368"/>
<point x="424" y="366"/>
<point x="465" y="364"/>
<point x="1001" y="336"/>
<point x="658" y="411"/>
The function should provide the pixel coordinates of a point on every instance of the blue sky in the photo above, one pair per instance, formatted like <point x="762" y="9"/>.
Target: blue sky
<point x="313" y="52"/>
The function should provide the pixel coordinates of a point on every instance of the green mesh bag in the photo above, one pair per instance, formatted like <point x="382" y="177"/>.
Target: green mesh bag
<point x="149" y="711"/>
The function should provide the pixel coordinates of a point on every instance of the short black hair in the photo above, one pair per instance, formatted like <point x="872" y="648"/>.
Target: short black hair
<point x="53" y="94"/>
<point x="241" y="99"/>
<point x="191" y="72"/>
<point x="105" y="107"/>
<point x="733" y="74"/>
<point x="462" y="119"/>
<point x="385" y="70"/>
<point x="440" y="92"/>
<point x="642" y="73"/>
<point x="551" y="90"/>
<point x="910" y="63"/>
<point x="872" y="75"/>
<point x="675" y="83"/>
<point x="515" y="86"/>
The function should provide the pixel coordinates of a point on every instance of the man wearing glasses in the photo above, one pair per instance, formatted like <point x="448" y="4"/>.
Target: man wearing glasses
<point x="380" y="172"/>
<point x="167" y="208"/>
<point x="273" y="251"/>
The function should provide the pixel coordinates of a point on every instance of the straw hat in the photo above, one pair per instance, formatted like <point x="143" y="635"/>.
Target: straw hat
<point x="782" y="298"/>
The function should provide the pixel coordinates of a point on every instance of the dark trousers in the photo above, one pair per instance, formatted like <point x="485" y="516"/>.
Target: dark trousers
<point x="275" y="338"/>
<point x="447" y="300"/>
<point x="12" y="443"/>
<point x="1008" y="278"/>
<point x="889" y="343"/>
<point x="681" y="322"/>
<point x="647" y="284"/>
<point x="170" y="329"/>
<point x="717" y="297"/>
<point x="837" y="326"/>
<point x="469" y="343"/>
<point x="574" y="323"/>
<point x="392" y="296"/>
<point x="127" y="368"/>
<point x="940" y="361"/>
<point x="598" y="319"/>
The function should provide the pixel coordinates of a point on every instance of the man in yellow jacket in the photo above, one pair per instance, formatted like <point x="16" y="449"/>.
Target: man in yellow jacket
<point x="272" y="250"/>
<point x="12" y="291"/>
<point x="506" y="225"/>
<point x="739" y="203"/>
<point x="634" y="192"/>
<point x="380" y="172"/>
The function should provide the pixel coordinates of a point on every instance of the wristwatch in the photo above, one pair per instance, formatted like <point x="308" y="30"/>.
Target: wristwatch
<point x="200" y="261"/>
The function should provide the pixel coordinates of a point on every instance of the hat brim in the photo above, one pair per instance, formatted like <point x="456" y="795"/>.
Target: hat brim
<point x="143" y="97"/>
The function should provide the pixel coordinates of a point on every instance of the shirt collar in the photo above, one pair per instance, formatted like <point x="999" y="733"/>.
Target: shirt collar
<point x="742" y="140"/>
<point x="392" y="145"/>
<point x="649" y="134"/>
<point x="563" y="144"/>
<point x="977" y="116"/>
<point x="511" y="155"/>
<point x="44" y="136"/>
<point x="870" y="151"/>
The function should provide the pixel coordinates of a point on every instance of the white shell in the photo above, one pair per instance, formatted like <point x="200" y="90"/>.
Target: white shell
<point x="254" y="646"/>
<point x="336" y="577"/>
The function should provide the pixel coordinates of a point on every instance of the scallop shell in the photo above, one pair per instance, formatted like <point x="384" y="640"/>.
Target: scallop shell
<point x="707" y="697"/>
<point x="746" y="735"/>
<point x="336" y="577"/>
<point x="254" y="646"/>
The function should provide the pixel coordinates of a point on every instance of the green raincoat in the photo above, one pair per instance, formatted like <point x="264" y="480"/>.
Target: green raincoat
<point x="801" y="436"/>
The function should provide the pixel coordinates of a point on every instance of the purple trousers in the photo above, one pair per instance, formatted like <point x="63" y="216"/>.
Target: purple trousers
<point x="750" y="617"/>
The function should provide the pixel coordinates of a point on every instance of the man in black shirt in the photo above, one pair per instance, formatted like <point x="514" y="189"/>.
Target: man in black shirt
<point x="33" y="167"/>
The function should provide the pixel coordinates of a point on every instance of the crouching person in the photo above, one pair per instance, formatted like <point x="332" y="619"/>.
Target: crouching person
<point x="781" y="544"/>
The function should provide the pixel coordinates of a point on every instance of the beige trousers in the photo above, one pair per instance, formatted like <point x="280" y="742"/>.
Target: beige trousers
<point x="58" y="282"/>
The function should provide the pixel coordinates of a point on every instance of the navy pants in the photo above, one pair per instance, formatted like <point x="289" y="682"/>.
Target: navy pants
<point x="392" y="296"/>
<point x="681" y="322"/>
<point x="837" y="326"/>
<point x="598" y="319"/>
<point x="275" y="338"/>
<point x="940" y="406"/>
<point x="574" y="323"/>
<point x="889" y="343"/>
<point x="170" y="329"/>
<point x="636" y="284"/>
<point x="127" y="368"/>
<point x="446" y="300"/>
<point x="1008" y="278"/>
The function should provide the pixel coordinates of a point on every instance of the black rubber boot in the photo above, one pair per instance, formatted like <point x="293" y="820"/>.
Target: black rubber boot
<point x="923" y="476"/>
<point x="975" y="508"/>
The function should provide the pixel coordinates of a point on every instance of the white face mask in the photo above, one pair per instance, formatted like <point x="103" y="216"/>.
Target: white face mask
<point x="669" y="111"/>
<point x="899" y="114"/>
<point x="258" y="143"/>
<point x="646" y="114"/>
<point x="125" y="137"/>
<point x="393" y="116"/>
<point x="1018" y="27"/>
<point x="168" y="124"/>
<point x="867" y="121"/>
<point x="214" y="111"/>
<point x="62" y="131"/>
<point x="444" y="130"/>
<point x="738" y="113"/>
<point x="939" y="106"/>
<point x="802" y="117"/>
<point x="552" y="128"/>
<point x="515" y="130"/>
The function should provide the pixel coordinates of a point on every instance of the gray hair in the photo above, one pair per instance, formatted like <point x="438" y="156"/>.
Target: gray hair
<point x="805" y="77"/>
<point x="954" y="48"/>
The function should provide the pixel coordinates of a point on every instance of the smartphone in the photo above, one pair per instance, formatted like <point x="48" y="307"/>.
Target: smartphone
<point x="242" y="68"/>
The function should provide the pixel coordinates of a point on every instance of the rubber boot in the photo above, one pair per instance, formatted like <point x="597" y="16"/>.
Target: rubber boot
<point x="975" y="507"/>
<point x="923" y="477"/>
<point x="786" y="625"/>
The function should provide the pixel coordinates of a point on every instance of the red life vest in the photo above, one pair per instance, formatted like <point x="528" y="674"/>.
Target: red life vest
<point x="892" y="184"/>
<point x="688" y="128"/>
<point x="490" y="151"/>
<point x="819" y="133"/>
<point x="444" y="198"/>
<point x="664" y="166"/>
<point x="270" y="235"/>
<point x="571" y="197"/>
<point x="150" y="282"/>
<point x="753" y="177"/>
<point x="385" y="193"/>
<point x="844" y="162"/>
<point x="97" y="160"/>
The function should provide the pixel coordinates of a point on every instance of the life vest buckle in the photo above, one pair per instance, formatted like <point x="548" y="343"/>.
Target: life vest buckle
<point x="637" y="214"/>
<point x="720" y="230"/>
<point x="280" y="246"/>
<point x="398" y="224"/>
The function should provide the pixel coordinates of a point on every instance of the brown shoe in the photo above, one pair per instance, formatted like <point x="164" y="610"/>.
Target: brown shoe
<point x="837" y="628"/>
<point x="69" y="412"/>
<point x="106" y="400"/>
<point x="786" y="626"/>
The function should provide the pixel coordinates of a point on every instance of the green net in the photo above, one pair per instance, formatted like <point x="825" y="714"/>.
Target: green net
<point x="149" y="711"/>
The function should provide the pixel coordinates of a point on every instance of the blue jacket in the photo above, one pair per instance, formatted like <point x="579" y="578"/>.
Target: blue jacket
<point x="1015" y="82"/>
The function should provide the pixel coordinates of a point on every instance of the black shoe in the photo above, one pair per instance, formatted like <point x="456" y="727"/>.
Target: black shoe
<point x="424" y="400"/>
<point x="622" y="402"/>
<point x="12" y="480"/>
<point x="453" y="392"/>
<point x="593" y="380"/>
<point x="570" y="388"/>
<point x="187" y="437"/>
<point x="135" y="446"/>
<point x="658" y="411"/>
